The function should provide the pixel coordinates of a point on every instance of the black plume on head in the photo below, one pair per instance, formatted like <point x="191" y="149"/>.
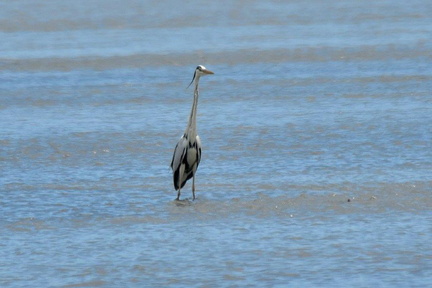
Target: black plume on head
<point x="192" y="79"/>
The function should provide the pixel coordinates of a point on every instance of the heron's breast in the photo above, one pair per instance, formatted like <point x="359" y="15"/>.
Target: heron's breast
<point x="192" y="156"/>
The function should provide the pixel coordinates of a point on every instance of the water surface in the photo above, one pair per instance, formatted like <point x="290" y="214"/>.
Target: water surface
<point x="316" y="144"/>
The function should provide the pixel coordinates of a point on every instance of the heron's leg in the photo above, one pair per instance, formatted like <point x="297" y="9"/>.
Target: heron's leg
<point x="182" y="167"/>
<point x="193" y="187"/>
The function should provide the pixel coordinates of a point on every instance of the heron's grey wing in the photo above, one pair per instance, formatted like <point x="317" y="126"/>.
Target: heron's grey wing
<point x="178" y="158"/>
<point x="199" y="148"/>
<point x="179" y="153"/>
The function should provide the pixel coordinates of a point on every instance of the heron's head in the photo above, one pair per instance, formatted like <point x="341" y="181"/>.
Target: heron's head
<point x="200" y="71"/>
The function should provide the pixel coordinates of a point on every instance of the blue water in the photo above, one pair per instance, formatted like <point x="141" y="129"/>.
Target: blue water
<point x="317" y="144"/>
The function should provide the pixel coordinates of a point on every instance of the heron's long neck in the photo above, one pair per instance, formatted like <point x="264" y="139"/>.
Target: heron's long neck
<point x="191" y="129"/>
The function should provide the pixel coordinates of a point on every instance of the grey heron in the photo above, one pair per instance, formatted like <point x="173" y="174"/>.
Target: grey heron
<point x="187" y="153"/>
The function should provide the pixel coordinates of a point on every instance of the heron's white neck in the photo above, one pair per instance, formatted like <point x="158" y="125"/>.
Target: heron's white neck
<point x="191" y="129"/>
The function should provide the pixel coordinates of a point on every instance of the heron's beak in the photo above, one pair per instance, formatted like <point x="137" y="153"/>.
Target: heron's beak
<point x="207" y="71"/>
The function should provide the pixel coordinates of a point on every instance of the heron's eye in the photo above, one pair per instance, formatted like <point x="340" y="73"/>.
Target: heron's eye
<point x="199" y="68"/>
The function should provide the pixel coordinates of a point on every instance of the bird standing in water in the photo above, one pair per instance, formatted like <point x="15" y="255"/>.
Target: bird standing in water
<point x="187" y="153"/>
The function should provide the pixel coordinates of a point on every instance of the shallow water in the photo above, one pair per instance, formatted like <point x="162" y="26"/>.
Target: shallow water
<point x="317" y="154"/>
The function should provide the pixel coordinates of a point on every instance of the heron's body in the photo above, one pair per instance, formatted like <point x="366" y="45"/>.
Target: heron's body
<point x="187" y="156"/>
<point x="187" y="153"/>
